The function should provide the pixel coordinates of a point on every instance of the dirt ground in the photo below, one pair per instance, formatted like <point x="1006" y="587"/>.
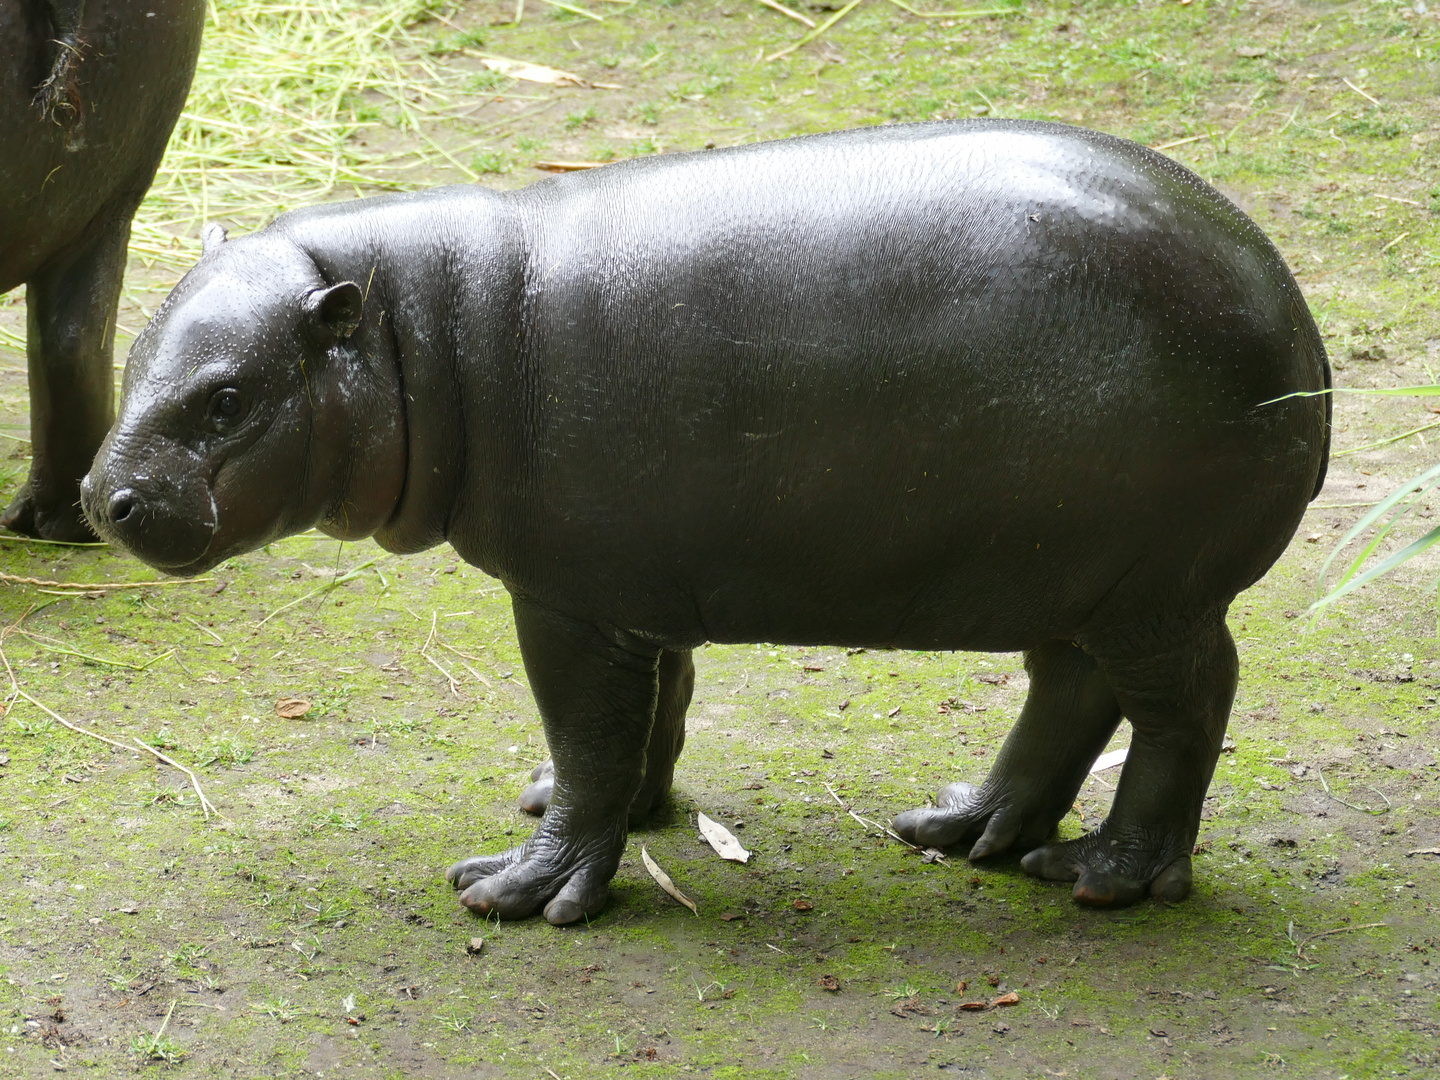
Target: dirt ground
<point x="306" y="930"/>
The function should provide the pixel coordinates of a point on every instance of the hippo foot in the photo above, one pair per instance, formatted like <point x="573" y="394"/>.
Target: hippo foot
<point x="1111" y="871"/>
<point x="535" y="799"/>
<point x="25" y="517"/>
<point x="995" y="820"/>
<point x="567" y="878"/>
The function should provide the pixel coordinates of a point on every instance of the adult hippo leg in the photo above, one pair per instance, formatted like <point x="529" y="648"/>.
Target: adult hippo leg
<point x="667" y="739"/>
<point x="597" y="694"/>
<point x="1069" y="715"/>
<point x="1178" y="704"/>
<point x="71" y="303"/>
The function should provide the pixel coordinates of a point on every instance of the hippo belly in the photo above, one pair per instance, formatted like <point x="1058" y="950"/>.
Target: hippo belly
<point x="977" y="385"/>
<point x="943" y="386"/>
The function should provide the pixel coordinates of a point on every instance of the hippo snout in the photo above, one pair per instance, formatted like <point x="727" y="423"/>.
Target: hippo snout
<point x="158" y="522"/>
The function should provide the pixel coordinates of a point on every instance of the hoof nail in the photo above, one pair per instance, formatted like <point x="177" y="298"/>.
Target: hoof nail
<point x="1173" y="883"/>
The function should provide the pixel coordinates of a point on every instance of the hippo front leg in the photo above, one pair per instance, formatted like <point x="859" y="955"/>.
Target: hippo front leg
<point x="70" y="304"/>
<point x="667" y="739"/>
<point x="1069" y="715"/>
<point x="597" y="694"/>
<point x="1178" y="703"/>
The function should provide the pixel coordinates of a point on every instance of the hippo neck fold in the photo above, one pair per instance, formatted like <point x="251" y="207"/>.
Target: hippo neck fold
<point x="421" y="315"/>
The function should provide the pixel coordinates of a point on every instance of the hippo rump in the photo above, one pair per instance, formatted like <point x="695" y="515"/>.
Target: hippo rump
<point x="983" y="385"/>
<point x="89" y="91"/>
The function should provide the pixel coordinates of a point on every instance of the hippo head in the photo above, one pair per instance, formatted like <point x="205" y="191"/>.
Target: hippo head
<point x="244" y="404"/>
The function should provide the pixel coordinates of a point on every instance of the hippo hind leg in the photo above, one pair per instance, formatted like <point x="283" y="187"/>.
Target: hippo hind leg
<point x="667" y="739"/>
<point x="1068" y="717"/>
<point x="1178" y="703"/>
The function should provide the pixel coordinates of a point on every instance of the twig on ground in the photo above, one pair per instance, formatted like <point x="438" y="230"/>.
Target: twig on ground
<point x="99" y="586"/>
<point x="1357" y="90"/>
<point x="53" y="645"/>
<point x="12" y="539"/>
<point x="425" y="652"/>
<point x="869" y="823"/>
<point x="1353" y="806"/>
<point x="773" y="5"/>
<point x="813" y="34"/>
<point x="333" y="583"/>
<point x="963" y="13"/>
<point x="1300" y="945"/>
<point x="206" y="806"/>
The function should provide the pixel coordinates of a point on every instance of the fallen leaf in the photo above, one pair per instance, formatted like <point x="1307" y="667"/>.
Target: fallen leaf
<point x="663" y="880"/>
<point x="1250" y="52"/>
<point x="828" y="982"/>
<point x="4" y="759"/>
<point x="932" y="855"/>
<point x="1110" y="760"/>
<point x="961" y="985"/>
<point x="802" y="905"/>
<point x="1012" y="998"/>
<point x="1424" y="851"/>
<point x="539" y="73"/>
<point x="826" y="754"/>
<point x="292" y="708"/>
<point x="1159" y="1034"/>
<point x="568" y="166"/>
<point x="730" y="916"/>
<point x="476" y="946"/>
<point x="722" y="840"/>
<point x="972" y="1006"/>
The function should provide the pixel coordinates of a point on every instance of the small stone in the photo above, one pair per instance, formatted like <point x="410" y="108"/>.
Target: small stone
<point x="476" y="946"/>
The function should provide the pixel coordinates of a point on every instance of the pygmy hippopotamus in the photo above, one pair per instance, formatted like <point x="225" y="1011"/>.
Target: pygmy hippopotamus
<point x="988" y="385"/>
<point x="89" y="92"/>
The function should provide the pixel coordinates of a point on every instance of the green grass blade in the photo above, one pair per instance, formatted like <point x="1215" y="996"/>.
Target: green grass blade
<point x="1419" y="484"/>
<point x="1408" y="552"/>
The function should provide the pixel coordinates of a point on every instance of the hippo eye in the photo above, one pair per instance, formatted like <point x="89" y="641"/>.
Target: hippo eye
<point x="226" y="405"/>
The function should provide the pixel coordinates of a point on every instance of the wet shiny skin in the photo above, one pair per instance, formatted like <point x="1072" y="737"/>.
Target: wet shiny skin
<point x="977" y="385"/>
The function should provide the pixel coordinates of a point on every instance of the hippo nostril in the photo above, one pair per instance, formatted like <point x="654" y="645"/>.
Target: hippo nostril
<point x="122" y="505"/>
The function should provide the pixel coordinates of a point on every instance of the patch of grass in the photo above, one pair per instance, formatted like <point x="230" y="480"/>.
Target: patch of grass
<point x="488" y="81"/>
<point x="161" y="1048"/>
<point x="280" y="1009"/>
<point x="227" y="753"/>
<point x="491" y="162"/>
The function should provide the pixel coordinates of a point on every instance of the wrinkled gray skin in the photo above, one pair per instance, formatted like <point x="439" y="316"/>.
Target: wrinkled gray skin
<point x="985" y="385"/>
<point x="89" y="91"/>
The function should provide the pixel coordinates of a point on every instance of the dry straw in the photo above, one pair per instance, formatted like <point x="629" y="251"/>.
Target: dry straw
<point x="284" y="95"/>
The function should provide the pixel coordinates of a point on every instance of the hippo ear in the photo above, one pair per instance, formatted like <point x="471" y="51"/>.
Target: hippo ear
<point x="334" y="313"/>
<point x="211" y="237"/>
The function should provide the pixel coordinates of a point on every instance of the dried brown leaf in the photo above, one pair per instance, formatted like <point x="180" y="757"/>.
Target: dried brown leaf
<point x="722" y="840"/>
<point x="663" y="880"/>
<point x="292" y="708"/>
